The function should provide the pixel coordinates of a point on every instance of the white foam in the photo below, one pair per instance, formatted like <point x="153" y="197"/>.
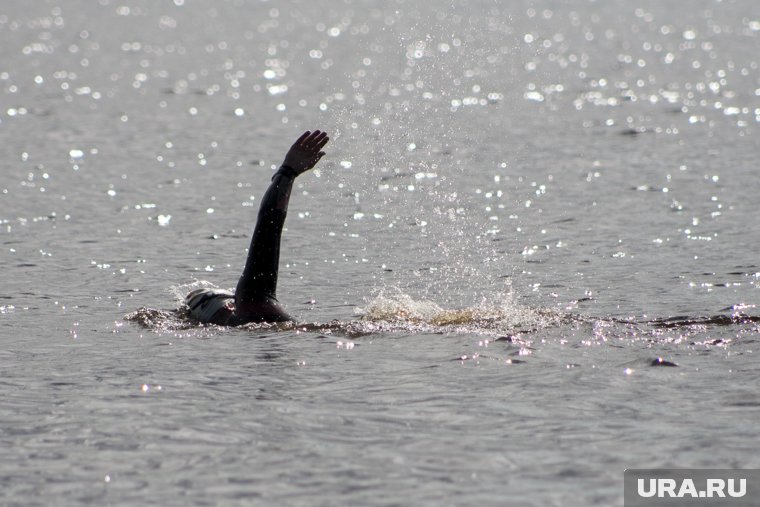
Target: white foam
<point x="181" y="290"/>
<point x="495" y="313"/>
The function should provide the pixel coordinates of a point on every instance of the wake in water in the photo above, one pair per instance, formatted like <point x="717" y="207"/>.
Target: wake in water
<point x="499" y="318"/>
<point x="396" y="312"/>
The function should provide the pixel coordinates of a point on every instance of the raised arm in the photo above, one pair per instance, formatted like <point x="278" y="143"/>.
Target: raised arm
<point x="259" y="279"/>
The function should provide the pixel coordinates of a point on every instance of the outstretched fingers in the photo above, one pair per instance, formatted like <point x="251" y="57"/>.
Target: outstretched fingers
<point x="314" y="139"/>
<point x="303" y="138"/>
<point x="306" y="151"/>
<point x="322" y="142"/>
<point x="309" y="139"/>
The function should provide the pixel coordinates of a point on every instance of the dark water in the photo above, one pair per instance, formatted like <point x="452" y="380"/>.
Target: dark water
<point x="527" y="263"/>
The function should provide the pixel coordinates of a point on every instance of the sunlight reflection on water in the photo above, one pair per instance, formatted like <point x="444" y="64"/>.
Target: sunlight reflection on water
<point x="527" y="215"/>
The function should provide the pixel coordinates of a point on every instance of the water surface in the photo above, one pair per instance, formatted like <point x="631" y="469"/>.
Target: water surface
<point x="527" y="263"/>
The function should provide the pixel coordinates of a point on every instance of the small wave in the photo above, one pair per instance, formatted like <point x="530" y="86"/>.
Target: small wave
<point x="162" y="320"/>
<point x="714" y="320"/>
<point x="176" y="320"/>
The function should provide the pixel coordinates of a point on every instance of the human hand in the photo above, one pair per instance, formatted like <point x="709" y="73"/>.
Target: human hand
<point x="306" y="151"/>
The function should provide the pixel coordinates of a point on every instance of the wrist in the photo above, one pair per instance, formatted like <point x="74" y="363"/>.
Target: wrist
<point x="286" y="170"/>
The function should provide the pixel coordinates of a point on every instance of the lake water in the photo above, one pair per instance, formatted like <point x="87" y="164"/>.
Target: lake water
<point x="527" y="262"/>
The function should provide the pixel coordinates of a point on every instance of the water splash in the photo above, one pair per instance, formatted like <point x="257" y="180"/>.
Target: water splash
<point x="181" y="290"/>
<point x="498" y="314"/>
<point x="390" y="311"/>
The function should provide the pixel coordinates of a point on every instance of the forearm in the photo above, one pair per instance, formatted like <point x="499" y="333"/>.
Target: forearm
<point x="277" y="195"/>
<point x="260" y="273"/>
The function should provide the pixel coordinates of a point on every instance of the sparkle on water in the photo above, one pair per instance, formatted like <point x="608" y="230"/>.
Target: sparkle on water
<point x="522" y="267"/>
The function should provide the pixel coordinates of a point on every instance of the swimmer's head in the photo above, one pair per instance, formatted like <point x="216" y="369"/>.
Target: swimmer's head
<point x="210" y="305"/>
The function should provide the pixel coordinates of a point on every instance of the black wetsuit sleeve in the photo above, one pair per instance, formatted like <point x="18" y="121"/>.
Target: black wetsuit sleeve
<point x="259" y="279"/>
